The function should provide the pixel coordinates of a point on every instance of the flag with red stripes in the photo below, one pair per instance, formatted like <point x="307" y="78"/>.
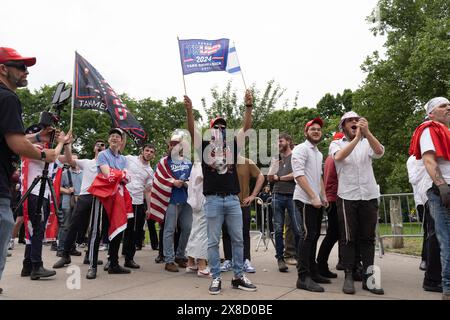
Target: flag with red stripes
<point x="161" y="190"/>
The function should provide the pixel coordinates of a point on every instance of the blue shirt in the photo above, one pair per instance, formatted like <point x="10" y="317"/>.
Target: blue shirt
<point x="181" y="170"/>
<point x="115" y="161"/>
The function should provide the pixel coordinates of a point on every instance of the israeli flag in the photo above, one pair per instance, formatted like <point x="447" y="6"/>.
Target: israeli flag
<point x="233" y="62"/>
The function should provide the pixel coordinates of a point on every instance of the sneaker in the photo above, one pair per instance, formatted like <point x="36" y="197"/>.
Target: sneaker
<point x="226" y="266"/>
<point x="243" y="283"/>
<point x="248" y="267"/>
<point x="292" y="261"/>
<point x="423" y="266"/>
<point x="11" y="244"/>
<point x="282" y="265"/>
<point x="204" y="273"/>
<point x="103" y="247"/>
<point x="216" y="286"/>
<point x="171" y="267"/>
<point x="159" y="259"/>
<point x="118" y="270"/>
<point x="191" y="269"/>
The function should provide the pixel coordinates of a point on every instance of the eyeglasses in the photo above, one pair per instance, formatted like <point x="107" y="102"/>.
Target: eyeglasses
<point x="100" y="145"/>
<point x="219" y="126"/>
<point x="17" y="65"/>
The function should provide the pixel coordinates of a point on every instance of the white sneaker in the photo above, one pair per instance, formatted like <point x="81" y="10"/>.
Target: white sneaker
<point x="227" y="265"/>
<point x="248" y="267"/>
<point x="11" y="244"/>
<point x="103" y="247"/>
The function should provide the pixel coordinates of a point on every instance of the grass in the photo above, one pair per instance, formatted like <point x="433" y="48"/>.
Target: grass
<point x="411" y="245"/>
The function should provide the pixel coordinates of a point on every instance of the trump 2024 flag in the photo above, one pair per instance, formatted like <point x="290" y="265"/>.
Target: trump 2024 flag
<point x="199" y="55"/>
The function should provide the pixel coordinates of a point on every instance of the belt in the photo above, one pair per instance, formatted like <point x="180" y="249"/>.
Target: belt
<point x="221" y="194"/>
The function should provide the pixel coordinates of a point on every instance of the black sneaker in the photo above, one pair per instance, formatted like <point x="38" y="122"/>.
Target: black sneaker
<point x="308" y="284"/>
<point x="379" y="291"/>
<point x="432" y="286"/>
<point x="243" y="283"/>
<point x="216" y="286"/>
<point x="159" y="259"/>
<point x="118" y="270"/>
<point x="282" y="267"/>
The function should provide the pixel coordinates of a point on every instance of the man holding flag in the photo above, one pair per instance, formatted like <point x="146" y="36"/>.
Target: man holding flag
<point x="221" y="189"/>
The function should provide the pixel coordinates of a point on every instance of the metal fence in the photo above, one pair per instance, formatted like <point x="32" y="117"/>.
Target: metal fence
<point x="397" y="219"/>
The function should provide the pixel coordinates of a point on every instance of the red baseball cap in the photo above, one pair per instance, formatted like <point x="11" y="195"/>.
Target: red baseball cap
<point x="338" y="135"/>
<point x="311" y="122"/>
<point x="213" y="121"/>
<point x="9" y="54"/>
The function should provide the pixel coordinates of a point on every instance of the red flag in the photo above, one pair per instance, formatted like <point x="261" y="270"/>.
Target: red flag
<point x="51" y="228"/>
<point x="115" y="198"/>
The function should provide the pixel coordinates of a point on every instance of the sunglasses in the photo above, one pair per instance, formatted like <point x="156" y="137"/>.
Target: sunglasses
<point x="17" y="65"/>
<point x="219" y="126"/>
<point x="100" y="145"/>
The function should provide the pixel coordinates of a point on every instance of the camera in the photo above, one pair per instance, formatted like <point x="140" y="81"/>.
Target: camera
<point x="60" y="98"/>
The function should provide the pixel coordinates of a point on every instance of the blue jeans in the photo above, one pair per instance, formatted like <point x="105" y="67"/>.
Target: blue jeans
<point x="217" y="210"/>
<point x="6" y="227"/>
<point x="181" y="213"/>
<point x="441" y="218"/>
<point x="280" y="203"/>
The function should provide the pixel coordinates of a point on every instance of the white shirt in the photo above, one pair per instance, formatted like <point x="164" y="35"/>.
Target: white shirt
<point x="35" y="168"/>
<point x="426" y="144"/>
<point x="141" y="176"/>
<point x="419" y="179"/>
<point x="355" y="172"/>
<point x="89" y="168"/>
<point x="307" y="161"/>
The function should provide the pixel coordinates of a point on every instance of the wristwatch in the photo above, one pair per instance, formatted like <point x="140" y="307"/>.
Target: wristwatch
<point x="43" y="155"/>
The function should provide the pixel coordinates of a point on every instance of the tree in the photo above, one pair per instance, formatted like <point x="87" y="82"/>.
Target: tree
<point x="415" y="69"/>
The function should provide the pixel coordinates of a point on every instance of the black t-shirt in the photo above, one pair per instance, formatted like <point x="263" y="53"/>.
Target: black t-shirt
<point x="10" y="122"/>
<point x="219" y="169"/>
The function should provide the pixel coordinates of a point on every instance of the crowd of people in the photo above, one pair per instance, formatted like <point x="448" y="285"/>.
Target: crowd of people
<point x="197" y="201"/>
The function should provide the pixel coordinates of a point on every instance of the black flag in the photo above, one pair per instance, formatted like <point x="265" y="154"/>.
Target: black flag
<point x="91" y="91"/>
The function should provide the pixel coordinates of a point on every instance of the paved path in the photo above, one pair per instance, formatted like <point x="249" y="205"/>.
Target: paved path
<point x="401" y="279"/>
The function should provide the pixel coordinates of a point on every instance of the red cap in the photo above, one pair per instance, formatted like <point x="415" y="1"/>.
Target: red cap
<point x="9" y="54"/>
<point x="338" y="135"/>
<point x="213" y="121"/>
<point x="315" y="120"/>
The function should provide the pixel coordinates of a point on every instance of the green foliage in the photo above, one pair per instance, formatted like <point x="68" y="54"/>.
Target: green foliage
<point x="416" y="69"/>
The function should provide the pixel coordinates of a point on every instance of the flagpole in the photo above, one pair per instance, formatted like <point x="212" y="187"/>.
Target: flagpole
<point x="181" y="57"/>
<point x="242" y="74"/>
<point x="73" y="92"/>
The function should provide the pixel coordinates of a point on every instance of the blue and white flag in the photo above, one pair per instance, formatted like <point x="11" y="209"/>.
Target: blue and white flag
<point x="233" y="62"/>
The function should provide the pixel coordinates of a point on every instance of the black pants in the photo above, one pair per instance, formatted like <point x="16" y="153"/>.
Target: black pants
<point x="357" y="223"/>
<point x="154" y="242"/>
<point x="33" y="251"/>
<point x="246" y="219"/>
<point x="331" y="237"/>
<point x="132" y="234"/>
<point x="78" y="221"/>
<point x="307" y="245"/>
<point x="433" y="258"/>
<point x="422" y="218"/>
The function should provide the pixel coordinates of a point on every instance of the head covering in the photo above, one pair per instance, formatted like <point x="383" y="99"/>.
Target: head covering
<point x="216" y="119"/>
<point x="348" y="115"/>
<point x="176" y="137"/>
<point x="116" y="130"/>
<point x="435" y="102"/>
<point x="9" y="54"/>
<point x="311" y="122"/>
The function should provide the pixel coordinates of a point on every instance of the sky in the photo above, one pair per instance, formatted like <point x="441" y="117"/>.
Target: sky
<point x="313" y="47"/>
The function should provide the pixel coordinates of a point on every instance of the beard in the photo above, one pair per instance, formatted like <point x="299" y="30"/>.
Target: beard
<point x="313" y="140"/>
<point x="18" y="82"/>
